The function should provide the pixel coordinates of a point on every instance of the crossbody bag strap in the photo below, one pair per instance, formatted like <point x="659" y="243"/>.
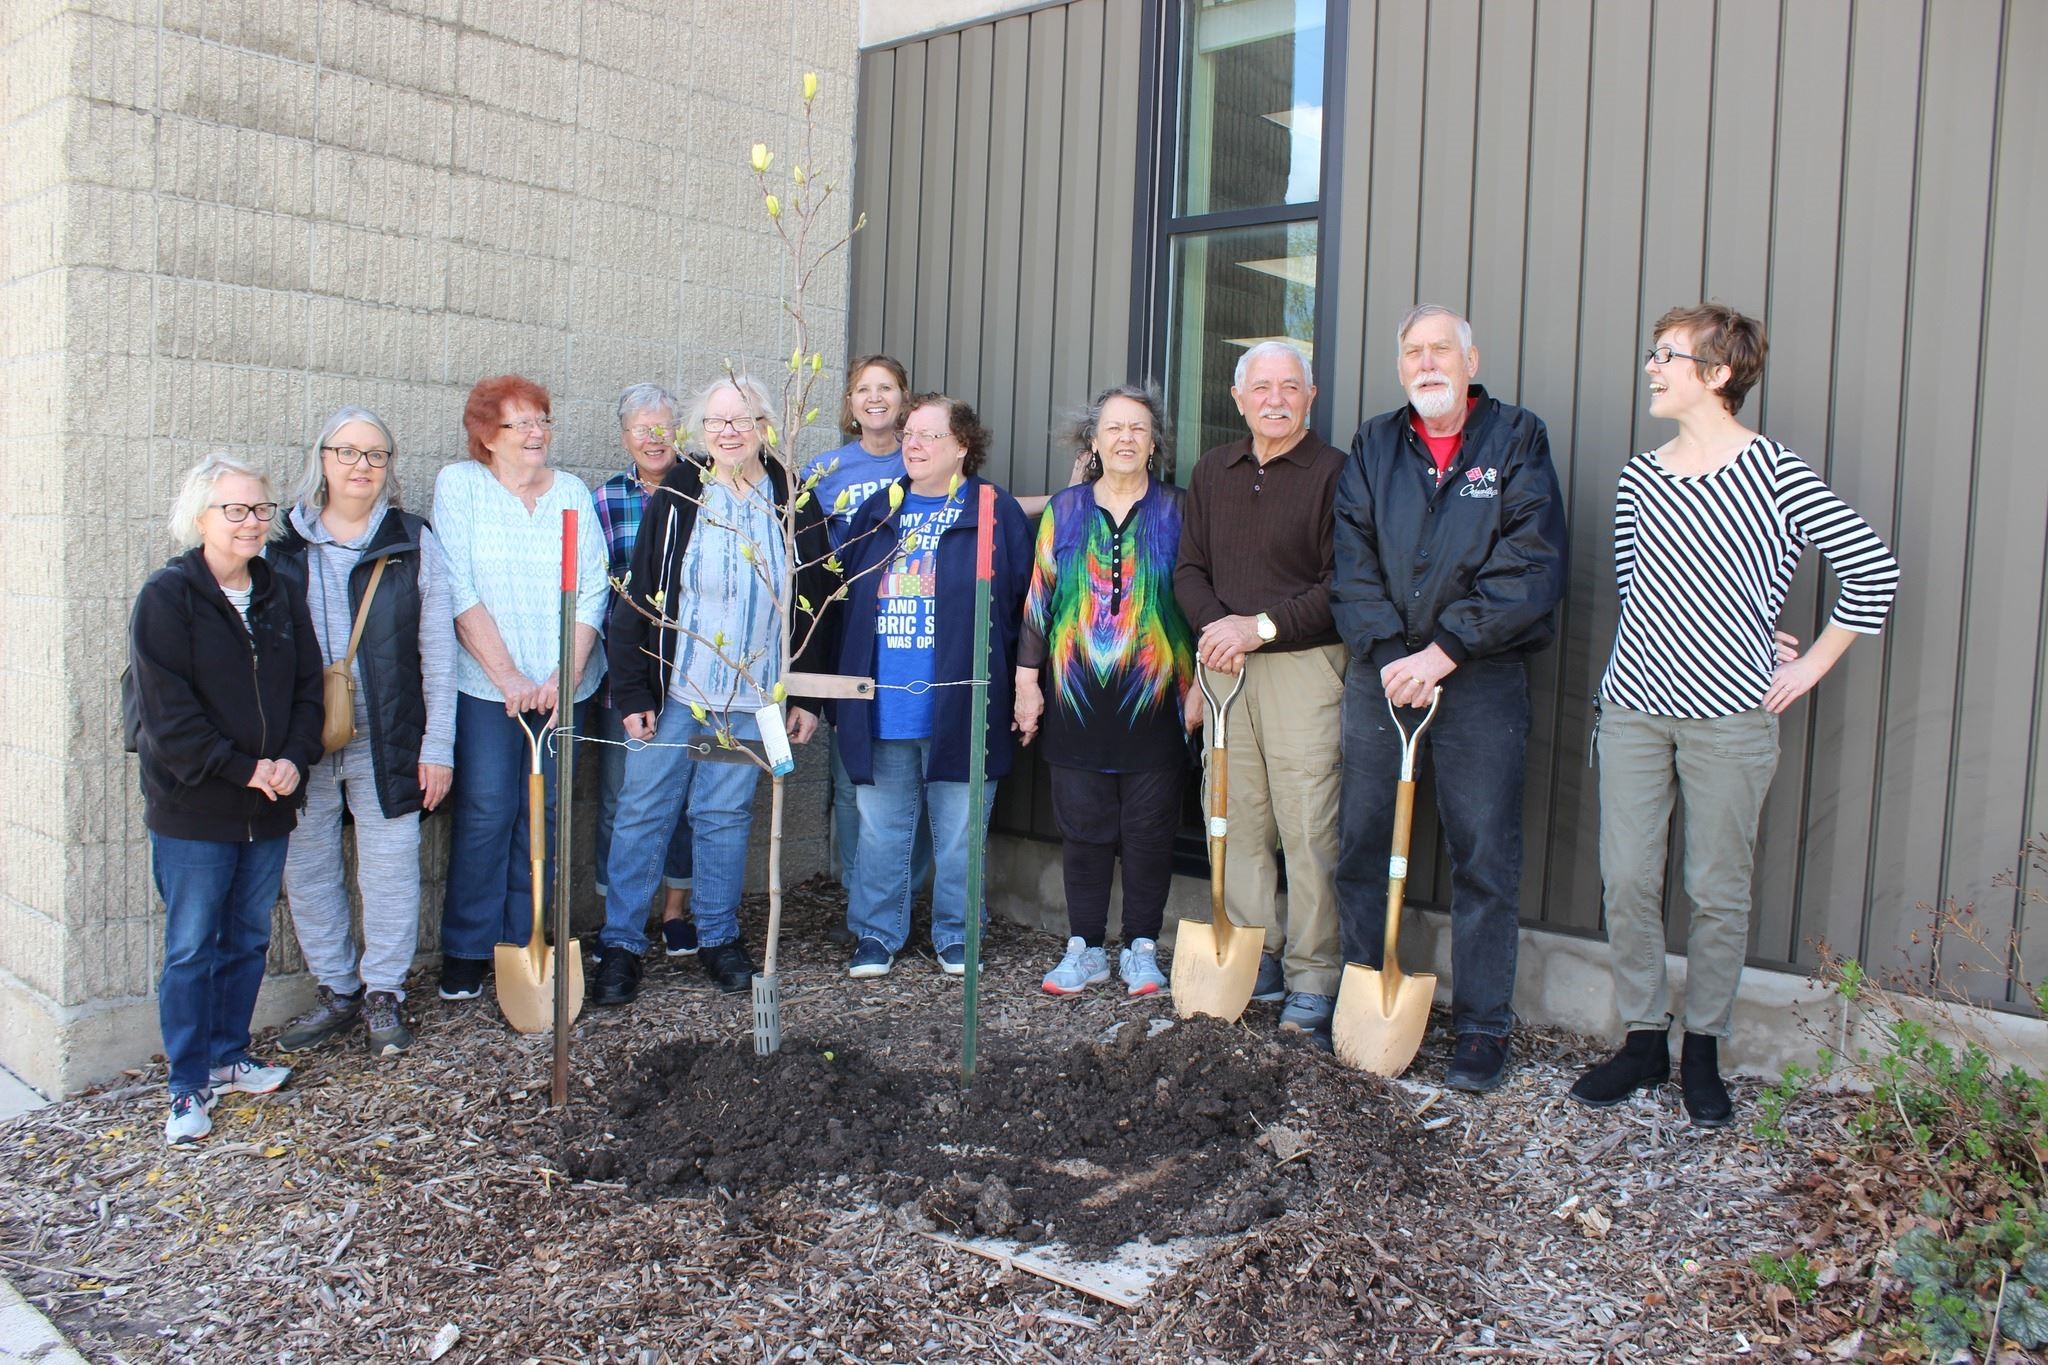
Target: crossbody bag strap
<point x="355" y="636"/>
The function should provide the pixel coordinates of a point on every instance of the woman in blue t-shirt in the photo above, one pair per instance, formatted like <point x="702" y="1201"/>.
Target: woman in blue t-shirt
<point x="909" y="557"/>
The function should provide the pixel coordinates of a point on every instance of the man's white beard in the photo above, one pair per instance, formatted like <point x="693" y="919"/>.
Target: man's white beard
<point x="1434" y="401"/>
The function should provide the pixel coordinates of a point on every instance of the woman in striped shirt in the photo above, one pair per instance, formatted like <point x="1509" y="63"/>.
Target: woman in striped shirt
<point x="1708" y="529"/>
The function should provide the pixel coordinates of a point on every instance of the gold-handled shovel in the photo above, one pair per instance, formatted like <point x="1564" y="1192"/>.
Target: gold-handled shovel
<point x="526" y="973"/>
<point x="1216" y="964"/>
<point x="1381" y="1015"/>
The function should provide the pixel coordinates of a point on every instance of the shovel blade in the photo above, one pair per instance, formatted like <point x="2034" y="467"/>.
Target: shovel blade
<point x="1214" y="977"/>
<point x="1373" y="1034"/>
<point x="767" y="1015"/>
<point x="526" y="986"/>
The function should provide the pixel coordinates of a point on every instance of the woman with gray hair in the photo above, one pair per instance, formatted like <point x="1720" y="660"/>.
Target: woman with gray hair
<point x="1101" y="618"/>
<point x="376" y="587"/>
<point x="695" y="650"/>
<point x="222" y="697"/>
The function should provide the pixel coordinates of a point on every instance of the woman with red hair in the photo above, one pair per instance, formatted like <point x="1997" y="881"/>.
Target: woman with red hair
<point x="499" y="517"/>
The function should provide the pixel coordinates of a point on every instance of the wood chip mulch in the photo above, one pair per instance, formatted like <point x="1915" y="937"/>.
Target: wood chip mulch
<point x="416" y="1210"/>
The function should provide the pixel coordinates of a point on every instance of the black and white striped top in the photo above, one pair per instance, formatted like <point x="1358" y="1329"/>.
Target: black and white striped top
<point x="1704" y="562"/>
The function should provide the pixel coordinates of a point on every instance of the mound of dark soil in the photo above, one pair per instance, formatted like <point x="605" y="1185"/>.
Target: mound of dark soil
<point x="1184" y="1132"/>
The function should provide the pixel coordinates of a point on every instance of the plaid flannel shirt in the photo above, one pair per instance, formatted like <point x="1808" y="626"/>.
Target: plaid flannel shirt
<point x="621" y="503"/>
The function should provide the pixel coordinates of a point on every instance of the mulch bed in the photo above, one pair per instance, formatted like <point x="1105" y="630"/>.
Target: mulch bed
<point x="695" y="1202"/>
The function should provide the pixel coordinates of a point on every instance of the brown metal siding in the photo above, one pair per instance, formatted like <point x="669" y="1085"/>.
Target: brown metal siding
<point x="1864" y="175"/>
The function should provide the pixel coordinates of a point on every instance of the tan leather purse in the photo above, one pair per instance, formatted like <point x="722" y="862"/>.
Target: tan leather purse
<point x="339" y="678"/>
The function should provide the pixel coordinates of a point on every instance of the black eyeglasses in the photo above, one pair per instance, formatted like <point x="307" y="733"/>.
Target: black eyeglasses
<point x="528" y="424"/>
<point x="1664" y="355"/>
<point x="350" y="455"/>
<point x="238" y="512"/>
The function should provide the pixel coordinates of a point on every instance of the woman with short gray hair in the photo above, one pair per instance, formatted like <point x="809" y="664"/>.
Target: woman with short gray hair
<point x="223" y="692"/>
<point x="1102" y="621"/>
<point x="376" y="587"/>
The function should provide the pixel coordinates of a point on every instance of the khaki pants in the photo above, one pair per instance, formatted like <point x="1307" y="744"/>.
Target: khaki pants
<point x="1283" y="748"/>
<point x="1724" y="768"/>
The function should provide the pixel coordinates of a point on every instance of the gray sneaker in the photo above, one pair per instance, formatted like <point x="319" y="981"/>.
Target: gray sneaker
<point x="1080" y="968"/>
<point x="190" y="1120"/>
<point x="1138" y="965"/>
<point x="248" y="1077"/>
<point x="330" y="1015"/>
<point x="1306" y="1012"/>
<point x="388" y="1034"/>
<point x="1272" y="982"/>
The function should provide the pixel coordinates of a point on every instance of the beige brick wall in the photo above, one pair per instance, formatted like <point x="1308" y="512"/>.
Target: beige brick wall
<point x="224" y="218"/>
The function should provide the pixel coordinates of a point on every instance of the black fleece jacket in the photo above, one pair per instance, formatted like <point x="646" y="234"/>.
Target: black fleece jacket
<point x="1475" y="564"/>
<point x="640" y="654"/>
<point x="214" y="698"/>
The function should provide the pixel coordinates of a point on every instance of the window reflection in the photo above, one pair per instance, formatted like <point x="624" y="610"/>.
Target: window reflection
<point x="1252" y="105"/>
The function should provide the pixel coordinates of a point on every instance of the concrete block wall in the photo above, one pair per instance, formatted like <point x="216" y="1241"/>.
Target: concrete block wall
<point x="225" y="218"/>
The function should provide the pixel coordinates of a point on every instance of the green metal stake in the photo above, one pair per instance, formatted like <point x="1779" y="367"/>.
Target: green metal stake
<point x="977" y="771"/>
<point x="565" y="780"/>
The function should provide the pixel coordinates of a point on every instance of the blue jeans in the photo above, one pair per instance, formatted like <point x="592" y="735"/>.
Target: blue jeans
<point x="846" y="829"/>
<point x="490" y="868"/>
<point x="661" y="782"/>
<point x="889" y="811"/>
<point x="217" y="899"/>
<point x="1476" y="745"/>
<point x="610" y="726"/>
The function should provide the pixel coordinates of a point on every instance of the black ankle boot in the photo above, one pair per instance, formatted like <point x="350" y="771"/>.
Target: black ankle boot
<point x="1699" y="1074"/>
<point x="1644" y="1060"/>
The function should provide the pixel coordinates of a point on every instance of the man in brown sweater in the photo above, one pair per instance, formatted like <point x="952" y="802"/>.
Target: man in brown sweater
<point x="1254" y="580"/>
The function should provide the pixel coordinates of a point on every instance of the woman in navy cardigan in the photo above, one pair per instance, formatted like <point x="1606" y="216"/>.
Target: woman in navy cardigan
<point x="909" y="560"/>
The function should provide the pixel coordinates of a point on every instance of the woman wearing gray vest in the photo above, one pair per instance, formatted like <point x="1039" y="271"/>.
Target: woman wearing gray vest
<point x="345" y="523"/>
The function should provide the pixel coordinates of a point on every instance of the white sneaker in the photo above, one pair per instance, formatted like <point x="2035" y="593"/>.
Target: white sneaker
<point x="1138" y="965"/>
<point x="248" y="1077"/>
<point x="189" y="1120"/>
<point x="1081" y="968"/>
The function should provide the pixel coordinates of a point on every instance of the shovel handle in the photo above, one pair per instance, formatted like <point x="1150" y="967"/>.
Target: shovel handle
<point x="1219" y="825"/>
<point x="1397" y="877"/>
<point x="537" y="851"/>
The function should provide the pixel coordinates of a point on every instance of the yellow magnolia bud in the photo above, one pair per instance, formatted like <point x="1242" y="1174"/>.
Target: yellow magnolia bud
<point x="801" y="499"/>
<point x="774" y="207"/>
<point x="762" y="156"/>
<point x="810" y="86"/>
<point x="768" y="431"/>
<point x="724" y="739"/>
<point x="895" y="496"/>
<point x="860" y="222"/>
<point x="778" y="694"/>
<point x="718" y="640"/>
<point x="796" y="173"/>
<point x="832" y="564"/>
<point x="803" y="603"/>
<point x="810" y="416"/>
<point x="953" y="485"/>
<point x="843" y="501"/>
<point x="910" y="542"/>
<point x="817" y="361"/>
<point x="796" y="358"/>
<point x="747" y="552"/>
<point x="697" y="710"/>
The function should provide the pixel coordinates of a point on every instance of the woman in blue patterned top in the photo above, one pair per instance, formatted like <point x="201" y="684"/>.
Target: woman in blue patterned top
<point x="1102" y="621"/>
<point x="499" y="517"/>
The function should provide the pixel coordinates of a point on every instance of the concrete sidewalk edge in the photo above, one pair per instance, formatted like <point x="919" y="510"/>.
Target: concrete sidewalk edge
<point x="27" y="1336"/>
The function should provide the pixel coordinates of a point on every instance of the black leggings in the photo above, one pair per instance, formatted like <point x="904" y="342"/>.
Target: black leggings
<point x="1101" y="815"/>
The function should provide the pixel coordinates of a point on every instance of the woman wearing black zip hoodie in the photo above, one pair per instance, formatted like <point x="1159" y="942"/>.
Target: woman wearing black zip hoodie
<point x="224" y="674"/>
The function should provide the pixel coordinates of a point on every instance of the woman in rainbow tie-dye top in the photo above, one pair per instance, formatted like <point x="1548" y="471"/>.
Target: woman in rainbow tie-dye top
<point x="1101" y="621"/>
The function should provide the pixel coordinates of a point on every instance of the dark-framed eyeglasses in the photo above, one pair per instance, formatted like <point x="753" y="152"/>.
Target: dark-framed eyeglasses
<point x="528" y="424"/>
<point x="1664" y="355"/>
<point x="714" y="425"/>
<point x="376" y="457"/>
<point x="239" y="512"/>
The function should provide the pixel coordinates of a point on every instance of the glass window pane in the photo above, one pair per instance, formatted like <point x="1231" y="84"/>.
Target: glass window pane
<point x="1251" y="114"/>
<point x="1231" y="290"/>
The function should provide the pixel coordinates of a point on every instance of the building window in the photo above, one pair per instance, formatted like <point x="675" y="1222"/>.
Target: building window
<point x="1241" y="229"/>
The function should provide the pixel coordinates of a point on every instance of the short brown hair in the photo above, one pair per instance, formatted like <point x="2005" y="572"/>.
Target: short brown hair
<point x="485" y="411"/>
<point x="963" y="421"/>
<point x="849" y="423"/>
<point x="1721" y="336"/>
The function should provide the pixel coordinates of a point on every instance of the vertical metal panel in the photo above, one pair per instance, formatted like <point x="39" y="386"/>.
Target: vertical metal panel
<point x="930" y="352"/>
<point x="906" y="162"/>
<point x="1548" y="345"/>
<point x="870" y="287"/>
<point x="1849" y="716"/>
<point x="1045" y="100"/>
<point x="1794" y="405"/>
<point x="1013" y="79"/>
<point x="1072" y="279"/>
<point x="1395" y="154"/>
<point x="1616" y="142"/>
<point x="969" y="227"/>
<point x="1116" y="197"/>
<point x="1918" y="791"/>
<point x="1500" y="191"/>
<point x="1452" y="80"/>
<point x="1349" y="128"/>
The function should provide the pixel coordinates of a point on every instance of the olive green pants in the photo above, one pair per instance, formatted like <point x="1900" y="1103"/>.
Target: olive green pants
<point x="1285" y="774"/>
<point x="1723" y="767"/>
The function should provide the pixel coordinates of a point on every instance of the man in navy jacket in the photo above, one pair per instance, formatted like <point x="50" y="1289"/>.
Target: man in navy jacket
<point x="1450" y="563"/>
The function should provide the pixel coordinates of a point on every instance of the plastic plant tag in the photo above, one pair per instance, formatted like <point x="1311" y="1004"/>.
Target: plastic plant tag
<point x="775" y="740"/>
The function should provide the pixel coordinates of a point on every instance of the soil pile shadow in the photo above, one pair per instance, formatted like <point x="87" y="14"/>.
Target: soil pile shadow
<point x="1153" y="1136"/>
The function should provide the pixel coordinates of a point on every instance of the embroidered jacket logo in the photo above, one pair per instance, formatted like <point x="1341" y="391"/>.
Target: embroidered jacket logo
<point x="1480" y="483"/>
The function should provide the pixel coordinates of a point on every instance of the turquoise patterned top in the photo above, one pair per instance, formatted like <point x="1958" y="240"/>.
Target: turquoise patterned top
<point x="509" y="560"/>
